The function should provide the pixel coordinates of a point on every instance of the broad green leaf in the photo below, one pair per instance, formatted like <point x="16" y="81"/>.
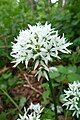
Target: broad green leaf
<point x="12" y="81"/>
<point x="48" y="114"/>
<point x="63" y="69"/>
<point x="6" y="75"/>
<point x="73" y="77"/>
<point x="54" y="74"/>
<point x="78" y="70"/>
<point x="72" y="69"/>
<point x="3" y="116"/>
<point x="22" y="102"/>
<point x="3" y="86"/>
<point x="77" y="41"/>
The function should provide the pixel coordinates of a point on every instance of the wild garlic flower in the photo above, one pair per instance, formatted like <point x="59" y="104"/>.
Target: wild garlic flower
<point x="32" y="113"/>
<point x="72" y="98"/>
<point x="39" y="43"/>
<point x="59" y="108"/>
<point x="54" y="1"/>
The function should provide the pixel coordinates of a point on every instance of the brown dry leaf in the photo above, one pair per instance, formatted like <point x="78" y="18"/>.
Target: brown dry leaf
<point x="61" y="117"/>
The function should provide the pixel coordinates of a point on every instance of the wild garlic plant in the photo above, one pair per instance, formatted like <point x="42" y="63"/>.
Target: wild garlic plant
<point x="39" y="43"/>
<point x="71" y="98"/>
<point x="32" y="113"/>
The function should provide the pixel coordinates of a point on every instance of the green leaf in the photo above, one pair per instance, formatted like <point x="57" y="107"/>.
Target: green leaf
<point x="77" y="42"/>
<point x="3" y="86"/>
<point x="72" y="69"/>
<point x="22" y="102"/>
<point x="46" y="93"/>
<point x="55" y="85"/>
<point x="78" y="70"/>
<point x="54" y="74"/>
<point x="63" y="69"/>
<point x="45" y="85"/>
<point x="12" y="81"/>
<point x="6" y="75"/>
<point x="73" y="77"/>
<point x="62" y="78"/>
<point x="3" y="116"/>
<point x="48" y="114"/>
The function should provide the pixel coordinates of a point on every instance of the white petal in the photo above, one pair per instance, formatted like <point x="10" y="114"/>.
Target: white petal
<point x="26" y="63"/>
<point x="36" y="64"/>
<point x="45" y="75"/>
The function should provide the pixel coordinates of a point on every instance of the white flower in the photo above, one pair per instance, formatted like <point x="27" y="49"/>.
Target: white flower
<point x="36" y="0"/>
<point x="36" y="107"/>
<point x="72" y="98"/>
<point x="59" y="108"/>
<point x="39" y="43"/>
<point x="35" y="112"/>
<point x="53" y="1"/>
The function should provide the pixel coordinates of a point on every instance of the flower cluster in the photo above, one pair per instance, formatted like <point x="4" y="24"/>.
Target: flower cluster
<point x="72" y="98"/>
<point x="39" y="43"/>
<point x="35" y="112"/>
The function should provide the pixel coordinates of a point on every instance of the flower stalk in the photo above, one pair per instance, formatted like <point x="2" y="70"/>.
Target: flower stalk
<point x="53" y="96"/>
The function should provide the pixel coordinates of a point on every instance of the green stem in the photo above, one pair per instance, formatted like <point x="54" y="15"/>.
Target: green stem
<point x="11" y="100"/>
<point x="78" y="118"/>
<point x="66" y="115"/>
<point x="53" y="96"/>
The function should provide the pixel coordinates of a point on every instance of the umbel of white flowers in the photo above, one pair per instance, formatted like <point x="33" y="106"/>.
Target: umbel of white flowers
<point x="32" y="113"/>
<point x="71" y="98"/>
<point x="39" y="43"/>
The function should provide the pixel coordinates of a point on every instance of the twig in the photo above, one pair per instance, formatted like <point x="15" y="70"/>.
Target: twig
<point x="4" y="47"/>
<point x="3" y="70"/>
<point x="31" y="85"/>
<point x="11" y="100"/>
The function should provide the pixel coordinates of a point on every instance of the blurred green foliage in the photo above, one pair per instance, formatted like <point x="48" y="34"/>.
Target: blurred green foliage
<point x="67" y="20"/>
